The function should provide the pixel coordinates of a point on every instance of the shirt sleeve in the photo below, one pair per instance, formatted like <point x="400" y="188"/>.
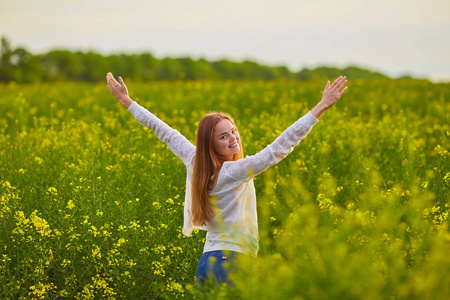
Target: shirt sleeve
<point x="250" y="166"/>
<point x="176" y="142"/>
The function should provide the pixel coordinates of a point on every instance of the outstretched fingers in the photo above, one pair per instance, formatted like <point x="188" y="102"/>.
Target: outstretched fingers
<point x="113" y="84"/>
<point x="339" y="84"/>
<point x="334" y="91"/>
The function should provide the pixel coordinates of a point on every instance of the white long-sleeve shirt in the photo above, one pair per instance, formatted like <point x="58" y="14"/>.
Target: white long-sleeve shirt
<point x="235" y="224"/>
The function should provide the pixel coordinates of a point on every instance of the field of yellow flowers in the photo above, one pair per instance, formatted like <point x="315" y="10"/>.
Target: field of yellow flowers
<point x="91" y="202"/>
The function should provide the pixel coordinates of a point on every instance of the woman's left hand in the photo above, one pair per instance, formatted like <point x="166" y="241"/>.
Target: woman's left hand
<point x="332" y="93"/>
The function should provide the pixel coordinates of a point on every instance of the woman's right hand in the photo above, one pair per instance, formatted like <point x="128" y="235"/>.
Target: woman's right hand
<point x="119" y="90"/>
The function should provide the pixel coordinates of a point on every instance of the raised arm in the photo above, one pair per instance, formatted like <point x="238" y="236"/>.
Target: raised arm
<point x="249" y="167"/>
<point x="176" y="142"/>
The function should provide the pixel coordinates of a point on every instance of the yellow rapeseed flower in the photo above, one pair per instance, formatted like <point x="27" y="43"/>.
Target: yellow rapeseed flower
<point x="70" y="204"/>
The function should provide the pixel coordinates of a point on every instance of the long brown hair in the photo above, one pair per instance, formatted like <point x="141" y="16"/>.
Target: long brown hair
<point x="207" y="165"/>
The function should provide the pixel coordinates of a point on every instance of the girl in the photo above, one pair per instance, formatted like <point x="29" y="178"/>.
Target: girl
<point x="220" y="194"/>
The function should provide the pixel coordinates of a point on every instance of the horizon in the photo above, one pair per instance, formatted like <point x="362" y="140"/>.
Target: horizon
<point x="395" y="39"/>
<point x="262" y="63"/>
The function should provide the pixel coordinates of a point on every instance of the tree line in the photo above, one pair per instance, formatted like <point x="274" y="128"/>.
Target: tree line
<point x="21" y="66"/>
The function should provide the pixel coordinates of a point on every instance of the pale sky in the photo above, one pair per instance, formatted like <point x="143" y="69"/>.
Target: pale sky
<point x="391" y="36"/>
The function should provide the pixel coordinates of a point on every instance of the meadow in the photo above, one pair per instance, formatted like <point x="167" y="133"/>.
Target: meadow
<point x="92" y="202"/>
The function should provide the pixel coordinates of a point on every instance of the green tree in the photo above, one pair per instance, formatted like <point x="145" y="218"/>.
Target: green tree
<point x="5" y="60"/>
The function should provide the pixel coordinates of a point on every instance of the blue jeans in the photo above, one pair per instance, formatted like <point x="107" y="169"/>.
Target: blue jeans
<point x="216" y="265"/>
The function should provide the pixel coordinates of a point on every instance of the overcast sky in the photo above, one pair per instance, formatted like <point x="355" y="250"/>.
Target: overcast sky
<point x="392" y="36"/>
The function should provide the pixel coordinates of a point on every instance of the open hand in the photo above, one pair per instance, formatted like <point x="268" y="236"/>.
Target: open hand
<point x="333" y="92"/>
<point x="119" y="90"/>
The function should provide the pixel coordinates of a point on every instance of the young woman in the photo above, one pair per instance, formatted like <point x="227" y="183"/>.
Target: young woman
<point x="220" y="194"/>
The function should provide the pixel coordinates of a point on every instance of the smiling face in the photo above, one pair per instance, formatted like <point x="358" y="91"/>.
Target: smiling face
<point x="226" y="139"/>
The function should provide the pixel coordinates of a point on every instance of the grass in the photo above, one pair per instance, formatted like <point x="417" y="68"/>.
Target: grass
<point x="91" y="202"/>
